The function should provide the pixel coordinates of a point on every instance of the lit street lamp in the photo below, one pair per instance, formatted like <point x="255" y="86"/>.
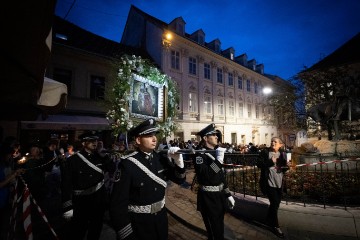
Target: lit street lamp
<point x="267" y="90"/>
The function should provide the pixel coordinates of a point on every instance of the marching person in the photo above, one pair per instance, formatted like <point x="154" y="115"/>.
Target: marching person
<point x="213" y="196"/>
<point x="83" y="190"/>
<point x="137" y="206"/>
<point x="273" y="164"/>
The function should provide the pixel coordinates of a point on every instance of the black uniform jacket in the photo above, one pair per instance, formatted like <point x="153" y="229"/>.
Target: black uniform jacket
<point x="209" y="172"/>
<point x="77" y="175"/>
<point x="134" y="187"/>
<point x="264" y="163"/>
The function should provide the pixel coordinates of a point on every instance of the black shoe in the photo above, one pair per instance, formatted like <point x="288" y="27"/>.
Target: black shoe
<point x="278" y="232"/>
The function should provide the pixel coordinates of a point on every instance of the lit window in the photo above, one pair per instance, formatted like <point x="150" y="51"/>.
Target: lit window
<point x="221" y="107"/>
<point x="231" y="108"/>
<point x="207" y="104"/>
<point x="257" y="111"/>
<point x="249" y="110"/>
<point x="241" y="110"/>
<point x="192" y="102"/>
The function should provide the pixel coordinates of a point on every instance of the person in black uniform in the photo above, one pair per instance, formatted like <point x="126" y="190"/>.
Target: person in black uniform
<point x="83" y="190"/>
<point x="137" y="205"/>
<point x="213" y="197"/>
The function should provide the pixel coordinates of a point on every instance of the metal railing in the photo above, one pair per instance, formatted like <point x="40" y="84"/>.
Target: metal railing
<point x="327" y="181"/>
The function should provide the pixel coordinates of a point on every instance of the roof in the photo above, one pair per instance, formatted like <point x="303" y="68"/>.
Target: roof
<point x="164" y="25"/>
<point x="346" y="54"/>
<point x="76" y="37"/>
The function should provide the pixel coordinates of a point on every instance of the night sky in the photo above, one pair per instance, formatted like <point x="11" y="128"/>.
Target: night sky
<point x="283" y="35"/>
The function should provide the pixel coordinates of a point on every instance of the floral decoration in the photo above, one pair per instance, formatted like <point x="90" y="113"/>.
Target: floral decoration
<point x="120" y="96"/>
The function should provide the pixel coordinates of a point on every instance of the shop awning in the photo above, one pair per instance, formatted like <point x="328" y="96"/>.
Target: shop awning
<point x="67" y="122"/>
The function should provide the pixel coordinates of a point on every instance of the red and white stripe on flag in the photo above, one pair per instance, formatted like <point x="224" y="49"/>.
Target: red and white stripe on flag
<point x="27" y="214"/>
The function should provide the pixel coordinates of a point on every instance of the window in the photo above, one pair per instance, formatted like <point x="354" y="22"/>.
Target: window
<point x="221" y="106"/>
<point x="255" y="88"/>
<point x="231" y="108"/>
<point x="249" y="110"/>
<point x="63" y="76"/>
<point x="206" y="70"/>
<point x="241" y="110"/>
<point x="97" y="87"/>
<point x="240" y="83"/>
<point x="201" y="40"/>
<point x="257" y="111"/>
<point x="193" y="102"/>
<point x="192" y="65"/>
<point x="231" y="79"/>
<point x="248" y="85"/>
<point x="207" y="104"/>
<point x="180" y="28"/>
<point x="219" y="75"/>
<point x="175" y="60"/>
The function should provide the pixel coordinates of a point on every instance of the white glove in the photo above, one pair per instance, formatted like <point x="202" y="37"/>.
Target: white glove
<point x="231" y="202"/>
<point x="220" y="152"/>
<point x="178" y="158"/>
<point x="68" y="215"/>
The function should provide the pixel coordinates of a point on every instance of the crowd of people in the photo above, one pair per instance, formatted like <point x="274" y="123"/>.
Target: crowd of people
<point x="80" y="181"/>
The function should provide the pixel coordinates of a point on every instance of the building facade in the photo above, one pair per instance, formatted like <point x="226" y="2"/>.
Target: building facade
<point x="216" y="85"/>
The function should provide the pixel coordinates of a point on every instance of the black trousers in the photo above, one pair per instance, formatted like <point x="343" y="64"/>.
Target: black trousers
<point x="274" y="195"/>
<point x="150" y="226"/>
<point x="88" y="216"/>
<point x="214" y="224"/>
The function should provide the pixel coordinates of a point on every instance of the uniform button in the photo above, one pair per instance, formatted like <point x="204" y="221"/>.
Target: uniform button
<point x="90" y="175"/>
<point x="155" y="189"/>
<point x="141" y="184"/>
<point x="147" y="157"/>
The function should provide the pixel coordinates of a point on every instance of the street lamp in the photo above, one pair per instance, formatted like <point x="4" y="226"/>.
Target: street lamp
<point x="167" y="39"/>
<point x="267" y="90"/>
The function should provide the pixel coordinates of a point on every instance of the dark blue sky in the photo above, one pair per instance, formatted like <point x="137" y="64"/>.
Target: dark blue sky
<point x="283" y="35"/>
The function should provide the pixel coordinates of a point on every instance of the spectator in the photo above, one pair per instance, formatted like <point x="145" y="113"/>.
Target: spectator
<point x="273" y="164"/>
<point x="7" y="178"/>
<point x="70" y="151"/>
<point x="35" y="174"/>
<point x="163" y="145"/>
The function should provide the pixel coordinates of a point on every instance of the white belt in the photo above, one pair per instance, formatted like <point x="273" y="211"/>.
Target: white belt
<point x="89" y="190"/>
<point x="212" y="188"/>
<point x="151" y="208"/>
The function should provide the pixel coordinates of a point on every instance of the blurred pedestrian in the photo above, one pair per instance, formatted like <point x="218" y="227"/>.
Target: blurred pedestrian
<point x="213" y="197"/>
<point x="7" y="180"/>
<point x="35" y="174"/>
<point x="137" y="207"/>
<point x="273" y="164"/>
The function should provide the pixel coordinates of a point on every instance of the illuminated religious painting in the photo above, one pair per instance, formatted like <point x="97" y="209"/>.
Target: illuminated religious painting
<point x="147" y="98"/>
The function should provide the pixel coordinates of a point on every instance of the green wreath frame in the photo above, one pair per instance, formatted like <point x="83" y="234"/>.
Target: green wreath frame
<point x="120" y="96"/>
